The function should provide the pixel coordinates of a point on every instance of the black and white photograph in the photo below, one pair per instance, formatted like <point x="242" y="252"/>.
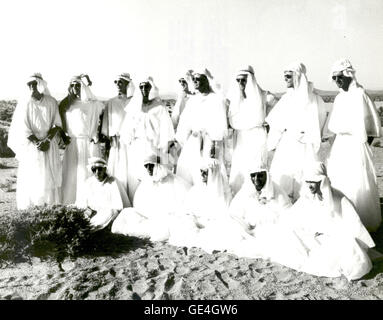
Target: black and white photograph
<point x="211" y="150"/>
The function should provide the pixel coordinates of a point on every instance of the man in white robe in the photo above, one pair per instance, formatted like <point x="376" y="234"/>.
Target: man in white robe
<point x="355" y="122"/>
<point x="105" y="197"/>
<point x="246" y="114"/>
<point x="182" y="98"/>
<point x="157" y="201"/>
<point x="205" y="219"/>
<point x="147" y="128"/>
<point x="329" y="228"/>
<point x="112" y="119"/>
<point x="202" y="129"/>
<point x="259" y="202"/>
<point x="33" y="136"/>
<point x="295" y="129"/>
<point x="80" y="111"/>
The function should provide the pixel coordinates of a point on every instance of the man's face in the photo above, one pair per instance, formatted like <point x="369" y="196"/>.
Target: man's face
<point x="150" y="168"/>
<point x="145" y="88"/>
<point x="75" y="89"/>
<point x="289" y="79"/>
<point x="259" y="179"/>
<point x="33" y="87"/>
<point x="99" y="172"/>
<point x="122" y="85"/>
<point x="184" y="84"/>
<point x="201" y="83"/>
<point x="314" y="186"/>
<point x="242" y="81"/>
<point x="341" y="80"/>
<point x="204" y="175"/>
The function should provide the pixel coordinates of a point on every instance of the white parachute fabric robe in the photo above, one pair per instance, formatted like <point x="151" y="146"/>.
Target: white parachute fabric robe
<point x="261" y="215"/>
<point x="254" y="209"/>
<point x="206" y="222"/>
<point x="82" y="120"/>
<point x="156" y="203"/>
<point x="145" y="129"/>
<point x="203" y="121"/>
<point x="295" y="133"/>
<point x="113" y="118"/>
<point x="247" y="118"/>
<point x="39" y="173"/>
<point x="332" y="234"/>
<point x="350" y="163"/>
<point x="108" y="198"/>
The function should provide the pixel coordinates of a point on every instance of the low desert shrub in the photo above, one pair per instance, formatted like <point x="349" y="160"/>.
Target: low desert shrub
<point x="57" y="232"/>
<point x="42" y="231"/>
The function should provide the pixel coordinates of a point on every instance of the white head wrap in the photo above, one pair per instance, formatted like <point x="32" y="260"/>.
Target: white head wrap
<point x="86" y="93"/>
<point x="217" y="188"/>
<point x="96" y="162"/>
<point x="316" y="171"/>
<point x="41" y="83"/>
<point x="214" y="86"/>
<point x="305" y="98"/>
<point x="131" y="88"/>
<point x="343" y="66"/>
<point x="159" y="171"/>
<point x="252" y="113"/>
<point x="154" y="92"/>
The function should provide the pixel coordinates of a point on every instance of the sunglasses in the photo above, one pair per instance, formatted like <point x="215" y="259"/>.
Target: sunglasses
<point x="120" y="81"/>
<point x="144" y="86"/>
<point x="337" y="77"/>
<point x="182" y="81"/>
<point x="288" y="76"/>
<point x="239" y="80"/>
<point x="95" y="169"/>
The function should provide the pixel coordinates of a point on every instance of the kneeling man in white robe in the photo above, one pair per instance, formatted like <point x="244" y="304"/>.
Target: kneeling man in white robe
<point x="260" y="201"/>
<point x="158" y="198"/>
<point x="105" y="197"/>
<point x="330" y="229"/>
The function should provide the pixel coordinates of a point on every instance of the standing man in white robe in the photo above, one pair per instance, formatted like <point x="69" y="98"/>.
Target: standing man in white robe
<point x="105" y="197"/>
<point x="182" y="98"/>
<point x="329" y="228"/>
<point x="246" y="114"/>
<point x="295" y="129"/>
<point x="201" y="129"/>
<point x="80" y="112"/>
<point x="112" y="119"/>
<point x="147" y="128"/>
<point x="355" y="122"/>
<point x="32" y="136"/>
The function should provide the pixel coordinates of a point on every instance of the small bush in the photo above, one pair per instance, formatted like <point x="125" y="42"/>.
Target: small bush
<point x="42" y="231"/>
<point x="56" y="232"/>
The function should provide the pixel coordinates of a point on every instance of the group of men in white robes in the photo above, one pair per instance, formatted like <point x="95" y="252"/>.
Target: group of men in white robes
<point x="165" y="177"/>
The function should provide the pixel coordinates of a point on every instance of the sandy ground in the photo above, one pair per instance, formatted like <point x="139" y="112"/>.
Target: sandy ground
<point x="161" y="271"/>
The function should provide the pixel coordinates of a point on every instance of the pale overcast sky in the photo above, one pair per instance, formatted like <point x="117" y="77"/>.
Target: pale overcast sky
<point x="164" y="38"/>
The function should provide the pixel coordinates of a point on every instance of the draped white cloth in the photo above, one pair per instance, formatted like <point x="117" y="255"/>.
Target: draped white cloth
<point x="145" y="129"/>
<point x="39" y="173"/>
<point x="82" y="120"/>
<point x="295" y="131"/>
<point x="155" y="206"/>
<point x="108" y="198"/>
<point x="247" y="118"/>
<point x="203" y="121"/>
<point x="350" y="163"/>
<point x="113" y="118"/>
<point x="255" y="209"/>
<point x="331" y="233"/>
<point x="205" y="220"/>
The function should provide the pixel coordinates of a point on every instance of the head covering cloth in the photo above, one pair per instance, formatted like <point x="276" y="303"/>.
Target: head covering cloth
<point x="130" y="88"/>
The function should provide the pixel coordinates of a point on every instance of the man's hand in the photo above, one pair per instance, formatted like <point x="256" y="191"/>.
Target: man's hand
<point x="266" y="126"/>
<point x="43" y="145"/>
